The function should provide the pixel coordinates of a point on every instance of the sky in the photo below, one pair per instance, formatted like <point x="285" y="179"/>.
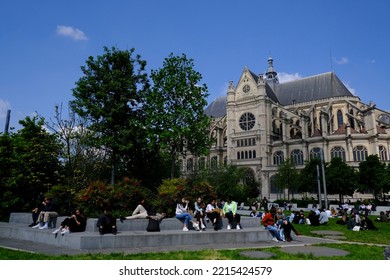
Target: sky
<point x="44" y="44"/>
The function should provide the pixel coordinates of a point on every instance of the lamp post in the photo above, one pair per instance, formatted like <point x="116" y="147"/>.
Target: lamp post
<point x="324" y="180"/>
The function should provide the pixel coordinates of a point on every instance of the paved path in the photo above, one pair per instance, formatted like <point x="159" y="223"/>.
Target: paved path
<point x="299" y="242"/>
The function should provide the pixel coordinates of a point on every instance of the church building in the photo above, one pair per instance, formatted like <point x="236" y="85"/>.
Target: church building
<point x="261" y="122"/>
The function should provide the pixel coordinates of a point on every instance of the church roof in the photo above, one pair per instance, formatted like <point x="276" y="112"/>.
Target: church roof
<point x="308" y="89"/>
<point x="217" y="108"/>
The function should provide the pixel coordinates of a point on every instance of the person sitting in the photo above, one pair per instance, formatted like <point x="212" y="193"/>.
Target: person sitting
<point x="75" y="223"/>
<point x="323" y="218"/>
<point x="107" y="223"/>
<point x="367" y="224"/>
<point x="269" y="224"/>
<point x="213" y="213"/>
<point x="285" y="227"/>
<point x="200" y="212"/>
<point x="48" y="212"/>
<point x="36" y="211"/>
<point x="333" y="212"/>
<point x="344" y="218"/>
<point x="230" y="212"/>
<point x="183" y="215"/>
<point x="313" y="218"/>
<point x="382" y="217"/>
<point x="351" y="222"/>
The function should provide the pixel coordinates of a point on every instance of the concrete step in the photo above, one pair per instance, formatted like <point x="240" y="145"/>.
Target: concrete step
<point x="171" y="234"/>
<point x="135" y="224"/>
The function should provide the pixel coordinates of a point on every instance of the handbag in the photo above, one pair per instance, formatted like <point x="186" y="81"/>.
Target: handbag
<point x="356" y="228"/>
<point x="153" y="225"/>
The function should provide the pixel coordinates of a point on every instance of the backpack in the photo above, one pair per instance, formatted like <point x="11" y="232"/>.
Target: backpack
<point x="153" y="225"/>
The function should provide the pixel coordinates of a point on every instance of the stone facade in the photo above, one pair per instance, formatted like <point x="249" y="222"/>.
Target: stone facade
<point x="263" y="122"/>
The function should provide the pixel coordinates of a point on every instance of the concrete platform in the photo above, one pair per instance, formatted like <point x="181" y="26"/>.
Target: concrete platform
<point x="132" y="234"/>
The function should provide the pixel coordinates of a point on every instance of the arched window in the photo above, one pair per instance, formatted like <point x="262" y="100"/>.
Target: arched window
<point x="338" y="152"/>
<point x="359" y="153"/>
<point x="340" y="120"/>
<point x="214" y="163"/>
<point x="278" y="158"/>
<point x="249" y="177"/>
<point x="254" y="153"/>
<point x="238" y="155"/>
<point x="297" y="157"/>
<point x="315" y="153"/>
<point x="202" y="163"/>
<point x="190" y="165"/>
<point x="383" y="153"/>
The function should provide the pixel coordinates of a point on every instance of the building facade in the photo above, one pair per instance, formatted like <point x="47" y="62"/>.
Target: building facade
<point x="261" y="122"/>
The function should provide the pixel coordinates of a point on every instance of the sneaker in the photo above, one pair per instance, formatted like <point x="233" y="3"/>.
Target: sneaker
<point x="32" y="224"/>
<point x="229" y="227"/>
<point x="44" y="227"/>
<point x="37" y="225"/>
<point x="64" y="231"/>
<point x="238" y="227"/>
<point x="196" y="226"/>
<point x="185" y="229"/>
<point x="56" y="231"/>
<point x="275" y="239"/>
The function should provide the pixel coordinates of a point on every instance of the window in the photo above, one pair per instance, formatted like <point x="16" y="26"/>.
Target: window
<point x="359" y="153"/>
<point x="278" y="158"/>
<point x="214" y="163"/>
<point x="338" y="152"/>
<point x="315" y="153"/>
<point x="297" y="157"/>
<point x="202" y="163"/>
<point x="340" y="120"/>
<point x="247" y="121"/>
<point x="190" y="165"/>
<point x="383" y="153"/>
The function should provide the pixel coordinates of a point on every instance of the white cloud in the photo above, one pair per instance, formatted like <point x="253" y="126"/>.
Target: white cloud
<point x="69" y="31"/>
<point x="341" y="61"/>
<point x="4" y="107"/>
<point x="286" y="77"/>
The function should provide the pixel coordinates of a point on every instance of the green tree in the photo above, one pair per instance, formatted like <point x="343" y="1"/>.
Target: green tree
<point x="110" y="95"/>
<point x="307" y="181"/>
<point x="341" y="178"/>
<point x="34" y="165"/>
<point x="175" y="109"/>
<point x="371" y="173"/>
<point x="287" y="177"/>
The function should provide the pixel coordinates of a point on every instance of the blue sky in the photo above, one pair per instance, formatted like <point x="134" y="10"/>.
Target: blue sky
<point x="44" y="43"/>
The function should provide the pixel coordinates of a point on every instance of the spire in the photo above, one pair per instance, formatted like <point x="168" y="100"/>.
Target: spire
<point x="271" y="74"/>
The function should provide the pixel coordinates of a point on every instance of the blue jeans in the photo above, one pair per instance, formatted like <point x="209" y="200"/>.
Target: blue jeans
<point x="184" y="218"/>
<point x="274" y="231"/>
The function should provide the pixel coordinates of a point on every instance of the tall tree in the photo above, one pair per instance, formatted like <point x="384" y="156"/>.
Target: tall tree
<point x="34" y="164"/>
<point x="308" y="176"/>
<point x="175" y="109"/>
<point x="371" y="173"/>
<point x="341" y="178"/>
<point x="110" y="95"/>
<point x="287" y="177"/>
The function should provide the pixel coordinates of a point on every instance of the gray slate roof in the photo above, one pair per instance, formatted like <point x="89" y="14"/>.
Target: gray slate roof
<point x="308" y="89"/>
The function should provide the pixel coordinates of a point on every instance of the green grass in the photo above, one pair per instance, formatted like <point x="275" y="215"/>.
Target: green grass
<point x="364" y="251"/>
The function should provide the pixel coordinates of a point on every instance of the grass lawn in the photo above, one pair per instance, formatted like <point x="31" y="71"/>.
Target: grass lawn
<point x="367" y="250"/>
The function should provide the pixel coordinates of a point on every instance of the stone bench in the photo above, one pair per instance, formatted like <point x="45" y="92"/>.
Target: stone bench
<point x="133" y="234"/>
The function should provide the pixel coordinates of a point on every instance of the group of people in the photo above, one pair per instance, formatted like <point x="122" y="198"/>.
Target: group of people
<point x="46" y="210"/>
<point x="211" y="211"/>
<point x="279" y="225"/>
